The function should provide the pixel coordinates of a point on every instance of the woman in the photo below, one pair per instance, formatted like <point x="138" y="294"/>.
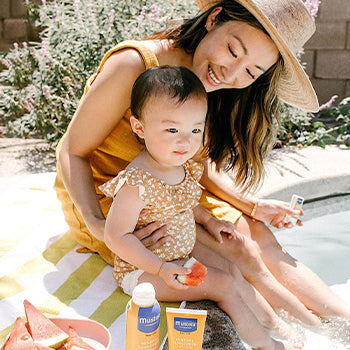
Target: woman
<point x="244" y="53"/>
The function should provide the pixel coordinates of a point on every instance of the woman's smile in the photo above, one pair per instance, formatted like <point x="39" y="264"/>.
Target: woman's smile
<point x="212" y="77"/>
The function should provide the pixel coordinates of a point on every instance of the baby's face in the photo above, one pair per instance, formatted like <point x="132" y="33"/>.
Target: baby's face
<point x="173" y="132"/>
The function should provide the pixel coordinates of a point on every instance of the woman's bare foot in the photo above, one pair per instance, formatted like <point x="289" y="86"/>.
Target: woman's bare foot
<point x="285" y="331"/>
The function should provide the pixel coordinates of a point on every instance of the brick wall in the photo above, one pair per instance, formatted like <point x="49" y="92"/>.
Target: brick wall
<point x="13" y="26"/>
<point x="327" y="54"/>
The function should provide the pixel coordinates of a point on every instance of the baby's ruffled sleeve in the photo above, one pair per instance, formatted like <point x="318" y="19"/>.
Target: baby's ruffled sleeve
<point x="130" y="176"/>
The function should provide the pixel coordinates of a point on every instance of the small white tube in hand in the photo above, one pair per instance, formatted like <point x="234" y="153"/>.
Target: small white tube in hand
<point x="295" y="203"/>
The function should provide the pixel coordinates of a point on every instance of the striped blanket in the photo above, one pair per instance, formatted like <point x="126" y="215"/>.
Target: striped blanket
<point x="39" y="262"/>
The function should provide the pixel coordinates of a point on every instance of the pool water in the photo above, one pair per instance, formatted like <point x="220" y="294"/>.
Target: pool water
<point x="323" y="244"/>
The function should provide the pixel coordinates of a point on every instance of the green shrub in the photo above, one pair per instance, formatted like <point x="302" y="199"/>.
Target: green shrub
<point x="331" y="125"/>
<point x="44" y="81"/>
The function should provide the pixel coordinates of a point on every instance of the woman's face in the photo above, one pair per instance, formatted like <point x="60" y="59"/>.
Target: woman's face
<point x="232" y="55"/>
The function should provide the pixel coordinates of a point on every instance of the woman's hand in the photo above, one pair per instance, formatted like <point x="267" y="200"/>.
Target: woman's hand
<point x="273" y="212"/>
<point x="153" y="235"/>
<point x="168" y="272"/>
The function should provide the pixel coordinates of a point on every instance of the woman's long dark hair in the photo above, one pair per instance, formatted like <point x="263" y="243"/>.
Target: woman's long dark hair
<point x="242" y="123"/>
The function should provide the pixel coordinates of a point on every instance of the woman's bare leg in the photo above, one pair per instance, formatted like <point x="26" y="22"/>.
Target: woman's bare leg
<point x="294" y="275"/>
<point x="246" y="254"/>
<point x="283" y="281"/>
<point x="220" y="288"/>
<point x="251" y="297"/>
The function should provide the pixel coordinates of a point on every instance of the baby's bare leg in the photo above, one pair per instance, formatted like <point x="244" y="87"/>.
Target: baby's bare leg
<point x="219" y="286"/>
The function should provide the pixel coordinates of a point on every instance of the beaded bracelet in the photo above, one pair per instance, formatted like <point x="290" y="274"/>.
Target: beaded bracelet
<point x="254" y="209"/>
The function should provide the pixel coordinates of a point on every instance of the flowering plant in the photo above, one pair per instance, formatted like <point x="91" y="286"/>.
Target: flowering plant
<point x="43" y="81"/>
<point x="331" y="125"/>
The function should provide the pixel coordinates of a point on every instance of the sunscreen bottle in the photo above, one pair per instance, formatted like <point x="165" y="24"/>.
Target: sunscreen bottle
<point x="142" y="319"/>
<point x="295" y="203"/>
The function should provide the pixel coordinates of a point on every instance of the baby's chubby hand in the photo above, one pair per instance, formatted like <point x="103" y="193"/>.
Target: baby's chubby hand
<point x="168" y="272"/>
<point x="219" y="227"/>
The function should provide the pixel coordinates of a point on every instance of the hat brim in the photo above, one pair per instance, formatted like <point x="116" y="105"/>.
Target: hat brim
<point x="294" y="86"/>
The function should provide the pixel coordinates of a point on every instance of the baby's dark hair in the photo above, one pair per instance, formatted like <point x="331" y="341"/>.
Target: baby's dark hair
<point x="176" y="82"/>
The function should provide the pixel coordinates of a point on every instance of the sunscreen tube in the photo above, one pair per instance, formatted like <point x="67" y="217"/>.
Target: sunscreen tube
<point x="142" y="319"/>
<point x="295" y="203"/>
<point x="185" y="328"/>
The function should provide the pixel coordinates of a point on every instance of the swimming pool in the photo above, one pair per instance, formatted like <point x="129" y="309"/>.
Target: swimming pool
<point x="323" y="244"/>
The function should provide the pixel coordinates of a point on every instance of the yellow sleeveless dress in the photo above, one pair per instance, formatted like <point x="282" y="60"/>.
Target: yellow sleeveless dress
<point x="112" y="156"/>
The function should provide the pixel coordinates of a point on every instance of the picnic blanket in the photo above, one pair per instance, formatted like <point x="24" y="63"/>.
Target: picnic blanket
<point x="39" y="262"/>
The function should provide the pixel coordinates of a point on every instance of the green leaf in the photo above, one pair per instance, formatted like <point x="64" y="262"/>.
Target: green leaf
<point x="328" y="139"/>
<point x="317" y="125"/>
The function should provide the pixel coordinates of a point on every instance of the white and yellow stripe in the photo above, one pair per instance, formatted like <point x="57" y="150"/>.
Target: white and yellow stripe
<point x="38" y="262"/>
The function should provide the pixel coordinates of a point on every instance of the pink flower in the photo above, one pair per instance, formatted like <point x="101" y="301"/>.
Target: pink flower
<point x="111" y="18"/>
<point x="77" y="9"/>
<point x="45" y="50"/>
<point x="46" y="92"/>
<point x="328" y="104"/>
<point x="29" y="105"/>
<point x="66" y="81"/>
<point x="142" y="14"/>
<point x="6" y="63"/>
<point x="92" y="16"/>
<point x="155" y="13"/>
<point x="312" y="6"/>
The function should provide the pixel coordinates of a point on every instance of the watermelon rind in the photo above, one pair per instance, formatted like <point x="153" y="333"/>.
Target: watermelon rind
<point x="53" y="342"/>
<point x="43" y="330"/>
<point x="188" y="264"/>
<point x="181" y="278"/>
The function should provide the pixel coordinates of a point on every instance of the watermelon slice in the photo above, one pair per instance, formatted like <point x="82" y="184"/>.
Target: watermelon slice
<point x="197" y="274"/>
<point x="75" y="342"/>
<point x="19" y="338"/>
<point x="43" y="331"/>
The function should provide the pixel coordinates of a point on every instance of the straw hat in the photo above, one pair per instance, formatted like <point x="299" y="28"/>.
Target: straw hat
<point x="290" y="25"/>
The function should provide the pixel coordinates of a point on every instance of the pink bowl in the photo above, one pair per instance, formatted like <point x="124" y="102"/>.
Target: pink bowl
<point x="86" y="329"/>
